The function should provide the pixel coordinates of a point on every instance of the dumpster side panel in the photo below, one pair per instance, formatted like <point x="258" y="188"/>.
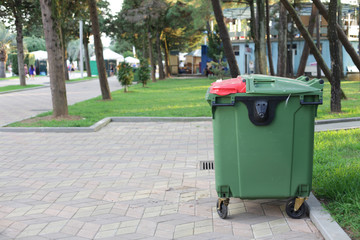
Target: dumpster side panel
<point x="303" y="151"/>
<point x="225" y="152"/>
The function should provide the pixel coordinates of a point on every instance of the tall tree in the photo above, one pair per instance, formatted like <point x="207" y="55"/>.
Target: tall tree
<point x="6" y="39"/>
<point x="341" y="35"/>
<point x="18" y="10"/>
<point x="306" y="49"/>
<point x="282" y="44"/>
<point x="308" y="39"/>
<point x="271" y="65"/>
<point x="105" y="90"/>
<point x="335" y="104"/>
<point x="224" y="34"/>
<point x="55" y="57"/>
<point x="260" y="13"/>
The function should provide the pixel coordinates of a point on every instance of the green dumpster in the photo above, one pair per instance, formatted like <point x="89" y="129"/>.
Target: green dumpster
<point x="263" y="138"/>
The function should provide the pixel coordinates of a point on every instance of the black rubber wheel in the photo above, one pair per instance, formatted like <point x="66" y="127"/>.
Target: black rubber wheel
<point x="292" y="213"/>
<point x="223" y="211"/>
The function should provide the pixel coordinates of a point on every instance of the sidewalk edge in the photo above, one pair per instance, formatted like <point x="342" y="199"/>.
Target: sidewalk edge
<point x="103" y="122"/>
<point x="328" y="227"/>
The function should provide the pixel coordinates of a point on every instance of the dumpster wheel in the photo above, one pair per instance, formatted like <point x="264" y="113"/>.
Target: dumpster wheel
<point x="222" y="207"/>
<point x="290" y="209"/>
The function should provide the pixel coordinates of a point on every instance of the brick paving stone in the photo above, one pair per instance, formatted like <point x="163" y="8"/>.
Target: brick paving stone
<point x="127" y="181"/>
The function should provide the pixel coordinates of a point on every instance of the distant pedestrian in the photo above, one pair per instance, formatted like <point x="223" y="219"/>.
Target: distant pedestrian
<point x="251" y="67"/>
<point x="32" y="72"/>
<point x="26" y="72"/>
<point x="206" y="71"/>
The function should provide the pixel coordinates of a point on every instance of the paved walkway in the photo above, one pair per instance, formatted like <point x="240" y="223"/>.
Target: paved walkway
<point x="16" y="106"/>
<point x="127" y="181"/>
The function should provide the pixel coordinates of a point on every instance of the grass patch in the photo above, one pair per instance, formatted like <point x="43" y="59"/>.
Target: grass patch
<point x="81" y="79"/>
<point x="349" y="108"/>
<point x="167" y="98"/>
<point x="9" y="78"/>
<point x="336" y="177"/>
<point x="17" y="87"/>
<point x="175" y="98"/>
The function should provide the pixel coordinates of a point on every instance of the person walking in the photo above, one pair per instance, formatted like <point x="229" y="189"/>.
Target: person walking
<point x="32" y="72"/>
<point x="26" y="72"/>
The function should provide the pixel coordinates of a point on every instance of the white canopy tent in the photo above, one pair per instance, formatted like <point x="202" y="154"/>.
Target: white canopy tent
<point x="132" y="60"/>
<point x="40" y="55"/>
<point x="110" y="55"/>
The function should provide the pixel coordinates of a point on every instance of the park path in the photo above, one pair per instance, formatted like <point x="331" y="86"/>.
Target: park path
<point x="18" y="105"/>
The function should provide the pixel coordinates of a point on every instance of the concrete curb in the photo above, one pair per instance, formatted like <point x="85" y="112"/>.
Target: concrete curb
<point x="328" y="227"/>
<point x="102" y="123"/>
<point x="338" y="120"/>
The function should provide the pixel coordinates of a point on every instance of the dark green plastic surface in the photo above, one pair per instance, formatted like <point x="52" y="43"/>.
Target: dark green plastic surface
<point x="271" y="161"/>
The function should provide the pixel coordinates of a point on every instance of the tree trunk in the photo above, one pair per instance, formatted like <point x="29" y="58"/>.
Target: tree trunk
<point x="335" y="58"/>
<point x="167" y="64"/>
<point x="2" y="69"/>
<point x="308" y="39"/>
<point x="158" y="48"/>
<point x="282" y="46"/>
<point x="254" y="34"/>
<point x="339" y="21"/>
<point x="55" y="59"/>
<point x="260" y="9"/>
<point x="104" y="85"/>
<point x="306" y="50"/>
<point x="318" y="70"/>
<point x="87" y="57"/>
<point x="271" y="64"/>
<point x="20" y="46"/>
<point x="342" y="36"/>
<point x="224" y="35"/>
<point x="66" y="71"/>
<point x="152" y="62"/>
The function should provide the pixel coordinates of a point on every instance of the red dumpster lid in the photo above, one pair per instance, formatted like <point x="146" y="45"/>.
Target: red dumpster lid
<point x="226" y="87"/>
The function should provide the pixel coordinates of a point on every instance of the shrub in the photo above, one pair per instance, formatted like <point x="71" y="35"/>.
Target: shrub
<point x="29" y="59"/>
<point x="125" y="75"/>
<point x="144" y="71"/>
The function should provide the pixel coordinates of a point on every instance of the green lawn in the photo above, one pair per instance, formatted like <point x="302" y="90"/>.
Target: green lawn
<point x="336" y="177"/>
<point x="9" y="78"/>
<point x="17" y="87"/>
<point x="81" y="79"/>
<point x="177" y="98"/>
<point x="350" y="107"/>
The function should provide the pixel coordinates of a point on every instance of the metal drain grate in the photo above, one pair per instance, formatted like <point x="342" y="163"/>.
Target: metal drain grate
<point x="206" y="165"/>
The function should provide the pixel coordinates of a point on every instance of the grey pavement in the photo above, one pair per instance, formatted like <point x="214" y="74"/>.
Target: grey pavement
<point x="131" y="180"/>
<point x="19" y="105"/>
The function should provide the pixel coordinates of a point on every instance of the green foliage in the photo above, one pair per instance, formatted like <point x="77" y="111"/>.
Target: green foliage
<point x="144" y="71"/>
<point x="218" y="67"/>
<point x="7" y="40"/>
<point x="14" y="63"/>
<point x="34" y="44"/>
<point x="336" y="178"/>
<point x="125" y="75"/>
<point x="122" y="47"/>
<point x="215" y="48"/>
<point x="29" y="60"/>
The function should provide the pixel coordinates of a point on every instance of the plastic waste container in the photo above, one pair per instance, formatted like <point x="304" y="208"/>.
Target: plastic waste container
<point x="263" y="138"/>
